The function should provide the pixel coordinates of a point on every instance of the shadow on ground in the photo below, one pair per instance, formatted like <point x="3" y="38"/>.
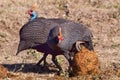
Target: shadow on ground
<point x="27" y="68"/>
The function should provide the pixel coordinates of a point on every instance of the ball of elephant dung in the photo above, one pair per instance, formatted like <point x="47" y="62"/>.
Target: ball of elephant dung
<point x="85" y="62"/>
<point x="3" y="72"/>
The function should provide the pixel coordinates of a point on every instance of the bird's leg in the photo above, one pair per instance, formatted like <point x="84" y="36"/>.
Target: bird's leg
<point x="67" y="56"/>
<point x="43" y="59"/>
<point x="54" y="59"/>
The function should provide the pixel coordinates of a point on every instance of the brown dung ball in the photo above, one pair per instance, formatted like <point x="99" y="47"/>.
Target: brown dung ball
<point x="85" y="62"/>
<point x="3" y="72"/>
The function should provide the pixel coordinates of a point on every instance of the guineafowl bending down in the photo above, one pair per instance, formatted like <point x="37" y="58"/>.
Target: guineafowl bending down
<point x="68" y="37"/>
<point x="40" y="32"/>
<point x="34" y="34"/>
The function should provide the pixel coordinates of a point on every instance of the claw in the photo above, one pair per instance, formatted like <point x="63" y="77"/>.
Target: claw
<point x="61" y="73"/>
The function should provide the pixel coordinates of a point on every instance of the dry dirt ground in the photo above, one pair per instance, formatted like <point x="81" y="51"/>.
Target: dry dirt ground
<point x="101" y="16"/>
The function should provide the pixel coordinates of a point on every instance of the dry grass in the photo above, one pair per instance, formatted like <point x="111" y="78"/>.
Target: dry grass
<point x="101" y="16"/>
